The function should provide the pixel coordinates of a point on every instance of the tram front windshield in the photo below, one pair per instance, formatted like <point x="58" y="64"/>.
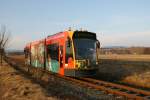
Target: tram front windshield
<point x="85" y="49"/>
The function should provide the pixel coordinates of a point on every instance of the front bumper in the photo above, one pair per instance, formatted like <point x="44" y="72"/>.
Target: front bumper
<point x="80" y="73"/>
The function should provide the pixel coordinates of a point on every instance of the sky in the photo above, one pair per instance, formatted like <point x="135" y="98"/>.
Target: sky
<point x="116" y="22"/>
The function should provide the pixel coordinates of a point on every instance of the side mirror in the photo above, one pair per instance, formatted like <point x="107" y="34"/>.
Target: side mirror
<point x="98" y="51"/>
<point x="98" y="44"/>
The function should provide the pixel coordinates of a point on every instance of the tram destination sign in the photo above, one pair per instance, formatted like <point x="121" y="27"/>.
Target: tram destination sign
<point x="88" y="35"/>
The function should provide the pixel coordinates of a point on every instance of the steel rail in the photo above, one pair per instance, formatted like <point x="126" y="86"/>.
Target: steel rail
<point x="107" y="90"/>
<point x="118" y="89"/>
<point x="117" y="86"/>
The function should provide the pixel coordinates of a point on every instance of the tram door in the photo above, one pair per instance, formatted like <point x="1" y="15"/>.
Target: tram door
<point x="61" y="58"/>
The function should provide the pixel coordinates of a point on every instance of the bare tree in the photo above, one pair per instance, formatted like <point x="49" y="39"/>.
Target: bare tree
<point x="4" y="38"/>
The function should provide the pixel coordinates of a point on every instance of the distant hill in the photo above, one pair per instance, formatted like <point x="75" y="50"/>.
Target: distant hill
<point x="114" y="47"/>
<point x="18" y="52"/>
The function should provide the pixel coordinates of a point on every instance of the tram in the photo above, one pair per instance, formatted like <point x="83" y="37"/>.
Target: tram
<point x="68" y="53"/>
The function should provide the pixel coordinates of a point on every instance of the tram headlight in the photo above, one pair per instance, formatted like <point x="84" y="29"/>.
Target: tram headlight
<point x="81" y="64"/>
<point x="77" y="65"/>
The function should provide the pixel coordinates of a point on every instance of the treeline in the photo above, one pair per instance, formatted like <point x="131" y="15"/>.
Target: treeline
<point x="4" y="39"/>
<point x="131" y="50"/>
<point x="15" y="52"/>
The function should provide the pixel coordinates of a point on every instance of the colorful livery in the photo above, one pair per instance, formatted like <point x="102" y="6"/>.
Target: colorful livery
<point x="69" y="53"/>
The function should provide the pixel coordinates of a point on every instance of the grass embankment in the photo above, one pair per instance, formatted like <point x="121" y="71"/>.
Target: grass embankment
<point x="16" y="85"/>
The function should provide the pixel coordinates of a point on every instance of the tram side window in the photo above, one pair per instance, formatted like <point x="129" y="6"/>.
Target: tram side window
<point x="69" y="51"/>
<point x="53" y="51"/>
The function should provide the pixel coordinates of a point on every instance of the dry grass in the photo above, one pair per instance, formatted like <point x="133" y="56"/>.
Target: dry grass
<point x="15" y="85"/>
<point x="130" y="69"/>
<point x="142" y="79"/>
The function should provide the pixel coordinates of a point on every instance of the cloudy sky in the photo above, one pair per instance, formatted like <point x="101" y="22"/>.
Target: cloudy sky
<point x="116" y="22"/>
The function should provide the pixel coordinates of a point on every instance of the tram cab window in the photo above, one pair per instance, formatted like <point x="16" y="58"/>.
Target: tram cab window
<point x="26" y="51"/>
<point x="69" y="50"/>
<point x="68" y="42"/>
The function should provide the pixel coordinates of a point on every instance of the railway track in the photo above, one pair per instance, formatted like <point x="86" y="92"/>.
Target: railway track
<point x="98" y="88"/>
<point x="115" y="90"/>
<point x="118" y="90"/>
